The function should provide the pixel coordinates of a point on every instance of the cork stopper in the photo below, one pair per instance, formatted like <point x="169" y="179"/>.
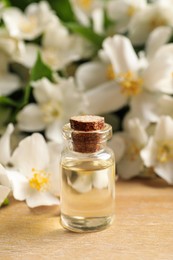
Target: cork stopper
<point x="87" y="123"/>
<point x="86" y="138"/>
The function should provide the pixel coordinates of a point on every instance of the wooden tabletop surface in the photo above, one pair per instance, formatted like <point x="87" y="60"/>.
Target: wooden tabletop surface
<point x="143" y="228"/>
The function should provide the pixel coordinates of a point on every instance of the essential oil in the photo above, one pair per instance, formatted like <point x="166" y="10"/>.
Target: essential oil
<point x="87" y="180"/>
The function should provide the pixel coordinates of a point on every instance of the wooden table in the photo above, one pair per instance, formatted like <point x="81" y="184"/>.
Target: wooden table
<point x="143" y="228"/>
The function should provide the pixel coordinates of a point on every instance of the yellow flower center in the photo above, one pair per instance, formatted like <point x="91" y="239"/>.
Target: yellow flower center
<point x="84" y="4"/>
<point x="40" y="180"/>
<point x="110" y="73"/>
<point x="157" y="21"/>
<point x="133" y="151"/>
<point x="52" y="110"/>
<point x="130" y="84"/>
<point x="131" y="10"/>
<point x="165" y="152"/>
<point x="27" y="26"/>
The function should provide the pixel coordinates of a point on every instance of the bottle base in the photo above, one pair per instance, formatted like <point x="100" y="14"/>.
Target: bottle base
<point x="82" y="224"/>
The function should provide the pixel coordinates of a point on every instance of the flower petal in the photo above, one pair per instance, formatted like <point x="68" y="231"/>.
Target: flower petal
<point x="156" y="39"/>
<point x="117" y="144"/>
<point x="9" y="83"/>
<point x="4" y="180"/>
<point x="4" y="191"/>
<point x="165" y="105"/>
<point x="148" y="154"/>
<point x="165" y="171"/>
<point x="41" y="199"/>
<point x="127" y="168"/>
<point x="32" y="152"/>
<point x="30" y="118"/>
<point x="98" y="20"/>
<point x="119" y="11"/>
<point x="45" y="90"/>
<point x="146" y="20"/>
<point x="109" y="98"/>
<point x="12" y="18"/>
<point x="81" y="16"/>
<point x="20" y="185"/>
<point x="53" y="167"/>
<point x="5" y="145"/>
<point x="121" y="54"/>
<point x="164" y="129"/>
<point x="54" y="132"/>
<point x="91" y="74"/>
<point x="28" y="55"/>
<point x="145" y="107"/>
<point x="137" y="132"/>
<point x="158" y="75"/>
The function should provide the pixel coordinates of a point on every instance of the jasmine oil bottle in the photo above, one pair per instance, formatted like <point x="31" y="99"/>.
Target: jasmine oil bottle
<point x="87" y="175"/>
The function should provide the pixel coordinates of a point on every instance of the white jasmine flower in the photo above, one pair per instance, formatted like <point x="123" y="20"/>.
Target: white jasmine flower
<point x="84" y="8"/>
<point x="121" y="60"/>
<point x="30" y="24"/>
<point x="65" y="47"/>
<point x="157" y="77"/>
<point x="122" y="11"/>
<point x="145" y="21"/>
<point x="5" y="145"/>
<point x="142" y="88"/>
<point x="9" y="82"/>
<point x="10" y="45"/>
<point x="56" y="103"/>
<point x="158" y="153"/>
<point x="130" y="143"/>
<point x="35" y="178"/>
<point x="149" y="106"/>
<point x="120" y="73"/>
<point x="4" y="184"/>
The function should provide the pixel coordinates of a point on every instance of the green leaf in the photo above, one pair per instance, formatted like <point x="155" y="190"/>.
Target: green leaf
<point x="5" y="203"/>
<point x="26" y="95"/>
<point x="8" y="101"/>
<point x="107" y="21"/>
<point x="22" y="4"/>
<point x="20" y="70"/>
<point x="6" y="2"/>
<point x="63" y="9"/>
<point x="87" y="33"/>
<point x="40" y="70"/>
<point x="5" y="112"/>
<point x="113" y="120"/>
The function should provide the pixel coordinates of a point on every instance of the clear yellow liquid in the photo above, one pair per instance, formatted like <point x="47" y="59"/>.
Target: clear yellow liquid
<point x="87" y="195"/>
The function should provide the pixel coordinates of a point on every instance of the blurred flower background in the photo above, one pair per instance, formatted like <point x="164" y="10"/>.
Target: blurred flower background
<point x="68" y="57"/>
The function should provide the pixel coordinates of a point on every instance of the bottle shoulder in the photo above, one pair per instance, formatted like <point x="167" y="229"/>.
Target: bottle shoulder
<point x="105" y="154"/>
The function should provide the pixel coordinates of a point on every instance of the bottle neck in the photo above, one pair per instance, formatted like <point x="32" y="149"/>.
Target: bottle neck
<point x="85" y="148"/>
<point x="87" y="142"/>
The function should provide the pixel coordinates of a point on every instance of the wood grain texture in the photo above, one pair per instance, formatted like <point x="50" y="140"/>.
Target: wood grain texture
<point x="143" y="229"/>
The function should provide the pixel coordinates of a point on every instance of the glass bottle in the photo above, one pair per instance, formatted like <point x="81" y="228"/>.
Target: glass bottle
<point x="87" y="180"/>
